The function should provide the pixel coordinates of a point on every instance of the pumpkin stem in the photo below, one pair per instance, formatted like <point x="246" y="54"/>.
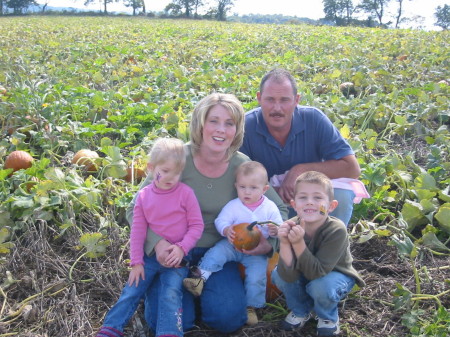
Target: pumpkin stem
<point x="266" y="222"/>
<point x="253" y="224"/>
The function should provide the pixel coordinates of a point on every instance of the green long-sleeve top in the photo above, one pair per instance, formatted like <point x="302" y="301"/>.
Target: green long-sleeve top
<point x="327" y="250"/>
<point x="212" y="194"/>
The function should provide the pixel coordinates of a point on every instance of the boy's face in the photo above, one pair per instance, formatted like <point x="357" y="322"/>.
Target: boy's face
<point x="166" y="175"/>
<point x="250" y="187"/>
<point x="312" y="203"/>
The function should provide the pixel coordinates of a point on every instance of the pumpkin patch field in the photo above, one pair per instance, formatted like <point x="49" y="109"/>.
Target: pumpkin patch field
<point x="82" y="100"/>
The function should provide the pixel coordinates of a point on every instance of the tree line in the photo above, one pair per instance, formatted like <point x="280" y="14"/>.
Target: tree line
<point x="337" y="12"/>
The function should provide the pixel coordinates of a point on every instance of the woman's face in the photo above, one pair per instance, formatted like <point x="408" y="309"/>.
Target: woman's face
<point x="219" y="129"/>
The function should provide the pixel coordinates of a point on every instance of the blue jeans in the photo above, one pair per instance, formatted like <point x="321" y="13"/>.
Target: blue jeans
<point x="255" y="269"/>
<point x="321" y="295"/>
<point x="222" y="305"/>
<point x="169" y="320"/>
<point x="344" y="209"/>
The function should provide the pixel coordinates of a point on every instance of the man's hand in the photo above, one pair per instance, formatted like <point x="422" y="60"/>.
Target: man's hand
<point x="286" y="190"/>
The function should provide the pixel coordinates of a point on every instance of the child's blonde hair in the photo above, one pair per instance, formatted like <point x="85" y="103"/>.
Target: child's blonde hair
<point x="314" y="177"/>
<point x="253" y="167"/>
<point x="168" y="148"/>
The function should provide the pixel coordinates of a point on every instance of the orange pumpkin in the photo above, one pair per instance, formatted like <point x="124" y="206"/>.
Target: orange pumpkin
<point x="272" y="292"/>
<point x="246" y="236"/>
<point x="87" y="158"/>
<point x="18" y="160"/>
<point x="135" y="174"/>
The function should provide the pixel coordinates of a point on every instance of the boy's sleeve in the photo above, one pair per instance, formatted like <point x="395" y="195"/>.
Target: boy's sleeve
<point x="322" y="262"/>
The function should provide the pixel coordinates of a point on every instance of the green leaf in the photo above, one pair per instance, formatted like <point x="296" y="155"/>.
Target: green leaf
<point x="443" y="217"/>
<point x="430" y="240"/>
<point x="94" y="243"/>
<point x="425" y="181"/>
<point x="412" y="213"/>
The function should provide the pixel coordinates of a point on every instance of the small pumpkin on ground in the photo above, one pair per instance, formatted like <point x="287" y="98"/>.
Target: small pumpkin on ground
<point x="18" y="160"/>
<point x="87" y="158"/>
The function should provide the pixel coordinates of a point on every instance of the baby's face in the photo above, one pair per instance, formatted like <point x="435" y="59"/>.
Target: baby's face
<point x="250" y="188"/>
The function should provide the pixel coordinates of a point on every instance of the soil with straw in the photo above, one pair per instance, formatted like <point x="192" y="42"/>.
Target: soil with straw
<point x="46" y="292"/>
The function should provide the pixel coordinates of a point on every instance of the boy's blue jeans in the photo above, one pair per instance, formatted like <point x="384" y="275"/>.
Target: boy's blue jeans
<point x="169" y="320"/>
<point x="344" y="209"/>
<point x="222" y="305"/>
<point x="255" y="269"/>
<point x="321" y="295"/>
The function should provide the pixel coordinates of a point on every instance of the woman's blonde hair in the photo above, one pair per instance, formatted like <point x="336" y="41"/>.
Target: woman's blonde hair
<point x="168" y="149"/>
<point x="234" y="107"/>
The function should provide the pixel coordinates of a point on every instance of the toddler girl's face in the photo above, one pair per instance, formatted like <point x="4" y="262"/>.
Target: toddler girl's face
<point x="250" y="188"/>
<point x="166" y="175"/>
<point x="311" y="202"/>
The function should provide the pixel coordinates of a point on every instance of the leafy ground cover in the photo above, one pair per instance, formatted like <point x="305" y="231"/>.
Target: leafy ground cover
<point x="112" y="85"/>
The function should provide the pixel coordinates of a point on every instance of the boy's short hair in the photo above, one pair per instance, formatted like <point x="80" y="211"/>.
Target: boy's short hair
<point x="250" y="167"/>
<point x="314" y="177"/>
<point x="168" y="148"/>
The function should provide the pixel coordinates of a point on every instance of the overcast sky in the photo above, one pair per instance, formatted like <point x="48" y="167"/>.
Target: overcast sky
<point x="312" y="9"/>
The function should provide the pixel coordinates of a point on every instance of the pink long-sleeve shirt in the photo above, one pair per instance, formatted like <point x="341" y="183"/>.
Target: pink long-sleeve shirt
<point x="173" y="214"/>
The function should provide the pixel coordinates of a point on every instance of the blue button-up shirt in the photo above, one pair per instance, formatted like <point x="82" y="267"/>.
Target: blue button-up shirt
<point x="312" y="138"/>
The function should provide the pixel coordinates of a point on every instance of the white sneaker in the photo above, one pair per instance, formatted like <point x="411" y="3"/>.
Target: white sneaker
<point x="326" y="327"/>
<point x="292" y="322"/>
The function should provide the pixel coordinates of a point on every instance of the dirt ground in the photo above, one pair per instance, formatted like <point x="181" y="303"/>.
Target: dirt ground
<point x="46" y="291"/>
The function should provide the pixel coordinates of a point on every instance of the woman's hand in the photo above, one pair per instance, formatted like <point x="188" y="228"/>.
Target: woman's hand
<point x="174" y="257"/>
<point x="161" y="250"/>
<point x="136" y="273"/>
<point x="262" y="248"/>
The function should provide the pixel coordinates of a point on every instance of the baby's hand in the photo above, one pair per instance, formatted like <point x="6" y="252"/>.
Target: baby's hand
<point x="229" y="233"/>
<point x="273" y="229"/>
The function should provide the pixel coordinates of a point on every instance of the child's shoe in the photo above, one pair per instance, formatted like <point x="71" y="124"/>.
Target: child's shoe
<point x="326" y="327"/>
<point x="252" y="318"/>
<point x="194" y="285"/>
<point x="292" y="322"/>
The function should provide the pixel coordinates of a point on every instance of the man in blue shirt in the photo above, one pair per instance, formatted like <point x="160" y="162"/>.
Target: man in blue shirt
<point x="292" y="139"/>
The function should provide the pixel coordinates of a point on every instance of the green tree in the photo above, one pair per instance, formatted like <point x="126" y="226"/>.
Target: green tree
<point x="442" y="15"/>
<point x="223" y="7"/>
<point x="19" y="5"/>
<point x="135" y="4"/>
<point x="375" y="7"/>
<point x="338" y="11"/>
<point x="186" y="5"/>
<point x="104" y="2"/>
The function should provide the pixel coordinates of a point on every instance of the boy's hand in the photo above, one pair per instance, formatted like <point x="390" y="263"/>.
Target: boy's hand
<point x="136" y="273"/>
<point x="284" y="229"/>
<point x="297" y="233"/>
<point x="175" y="256"/>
